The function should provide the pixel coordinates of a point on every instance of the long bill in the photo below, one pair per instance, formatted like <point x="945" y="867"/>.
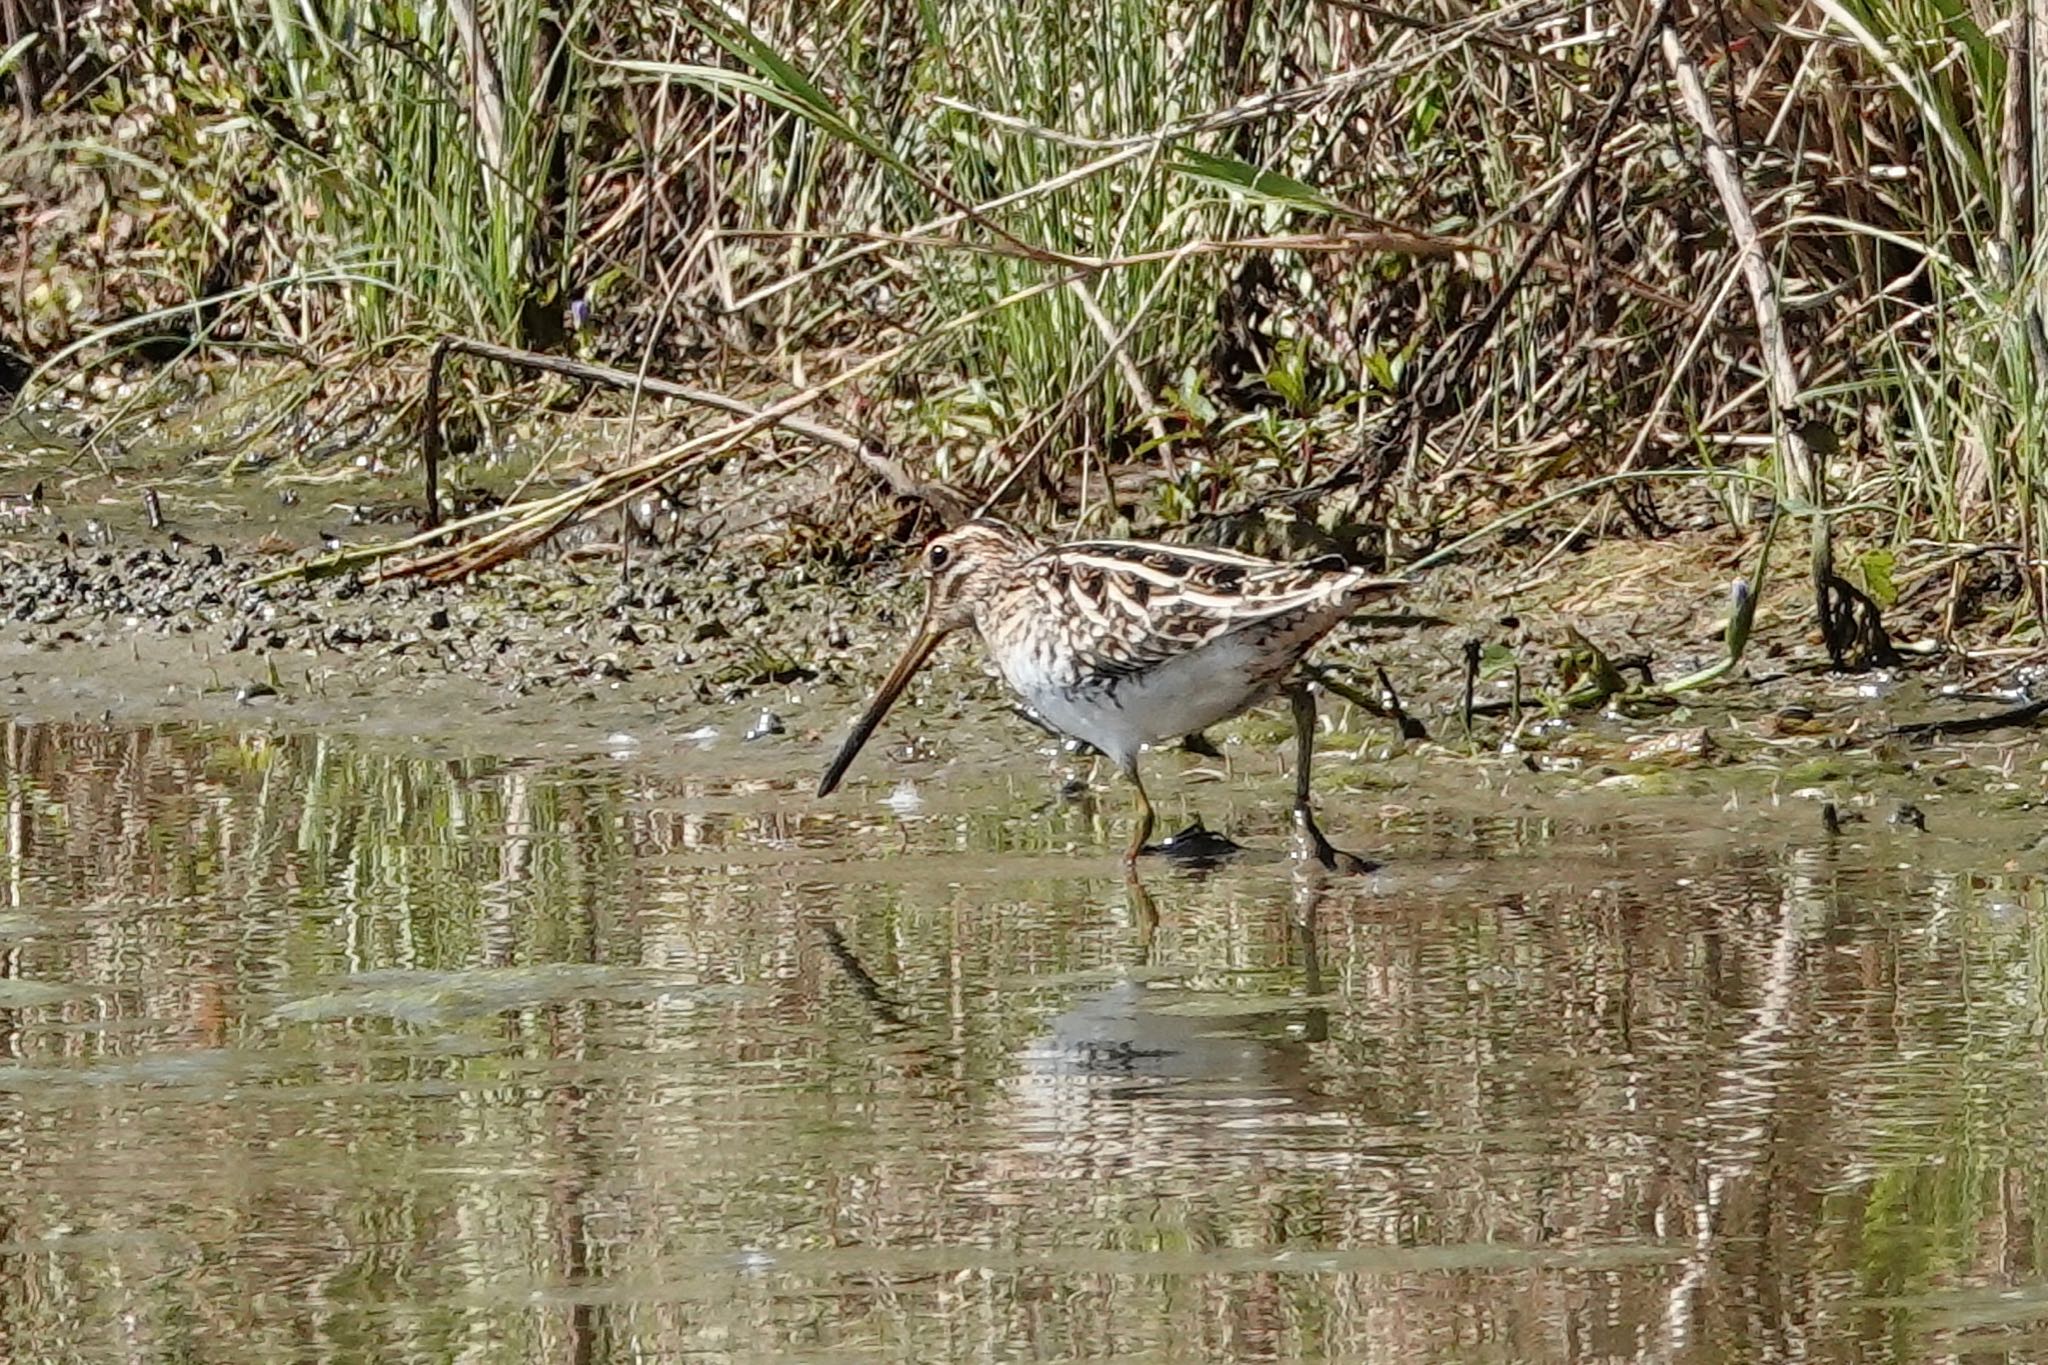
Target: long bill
<point x="892" y="687"/>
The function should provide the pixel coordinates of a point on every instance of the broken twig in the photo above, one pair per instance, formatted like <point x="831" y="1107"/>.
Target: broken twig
<point x="1928" y="731"/>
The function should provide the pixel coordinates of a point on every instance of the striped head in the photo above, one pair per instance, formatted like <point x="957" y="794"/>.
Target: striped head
<point x="964" y="570"/>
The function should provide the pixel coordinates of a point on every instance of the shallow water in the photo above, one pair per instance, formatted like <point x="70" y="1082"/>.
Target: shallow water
<point x="313" y="1050"/>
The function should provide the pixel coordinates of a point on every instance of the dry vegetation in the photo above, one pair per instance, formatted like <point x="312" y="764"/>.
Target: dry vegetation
<point x="1397" y="270"/>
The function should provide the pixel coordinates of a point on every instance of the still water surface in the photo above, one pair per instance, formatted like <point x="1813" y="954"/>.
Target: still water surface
<point x="310" y="1050"/>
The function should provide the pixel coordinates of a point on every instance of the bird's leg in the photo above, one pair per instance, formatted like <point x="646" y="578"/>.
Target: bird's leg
<point x="1143" y="911"/>
<point x="1143" y="831"/>
<point x="1331" y="857"/>
<point x="1308" y="896"/>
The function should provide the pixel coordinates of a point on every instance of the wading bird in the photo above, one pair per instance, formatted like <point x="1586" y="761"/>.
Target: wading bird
<point x="1125" y="643"/>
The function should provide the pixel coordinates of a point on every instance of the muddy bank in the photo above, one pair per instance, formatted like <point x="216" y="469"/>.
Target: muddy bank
<point x="115" y="598"/>
<point x="106" y="604"/>
<point x="187" y="630"/>
<point x="723" y="661"/>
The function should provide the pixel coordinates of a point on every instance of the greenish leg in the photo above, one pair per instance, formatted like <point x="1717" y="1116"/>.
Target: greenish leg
<point x="1331" y="857"/>
<point x="1143" y="830"/>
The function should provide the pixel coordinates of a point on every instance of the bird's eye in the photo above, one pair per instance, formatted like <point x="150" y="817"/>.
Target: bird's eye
<point x="938" y="556"/>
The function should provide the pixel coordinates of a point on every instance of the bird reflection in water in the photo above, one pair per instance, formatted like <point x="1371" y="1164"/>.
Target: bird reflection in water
<point x="1147" y="1071"/>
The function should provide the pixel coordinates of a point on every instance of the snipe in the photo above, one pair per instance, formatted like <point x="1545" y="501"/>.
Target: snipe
<point x="1125" y="643"/>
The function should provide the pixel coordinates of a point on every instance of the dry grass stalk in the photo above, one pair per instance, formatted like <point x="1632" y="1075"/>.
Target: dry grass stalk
<point x="1848" y="618"/>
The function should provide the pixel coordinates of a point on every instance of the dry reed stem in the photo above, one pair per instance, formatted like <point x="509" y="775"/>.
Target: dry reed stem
<point x="1394" y="240"/>
<point x="488" y="106"/>
<point x="544" y="517"/>
<point x="1781" y="372"/>
<point x="1127" y="369"/>
<point x="530" y="524"/>
<point x="1399" y="442"/>
<point x="1802" y="468"/>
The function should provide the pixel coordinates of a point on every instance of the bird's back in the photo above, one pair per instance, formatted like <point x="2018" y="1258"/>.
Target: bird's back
<point x="1131" y="642"/>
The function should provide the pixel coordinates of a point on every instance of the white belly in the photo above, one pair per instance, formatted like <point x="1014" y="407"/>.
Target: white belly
<point x="1177" y="698"/>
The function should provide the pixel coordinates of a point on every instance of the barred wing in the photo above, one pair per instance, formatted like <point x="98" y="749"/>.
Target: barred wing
<point x="1130" y="606"/>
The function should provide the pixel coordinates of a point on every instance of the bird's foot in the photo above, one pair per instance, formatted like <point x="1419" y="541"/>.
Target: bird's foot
<point x="1313" y="844"/>
<point x="1195" y="844"/>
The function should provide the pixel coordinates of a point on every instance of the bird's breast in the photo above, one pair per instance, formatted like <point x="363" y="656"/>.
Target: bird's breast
<point x="1120" y="713"/>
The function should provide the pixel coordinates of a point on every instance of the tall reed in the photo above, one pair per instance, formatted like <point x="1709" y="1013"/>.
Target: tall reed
<point x="780" y="190"/>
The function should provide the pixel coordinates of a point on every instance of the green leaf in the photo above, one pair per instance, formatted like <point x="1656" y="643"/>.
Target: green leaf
<point x="1241" y="177"/>
<point x="1428" y="112"/>
<point x="16" y="51"/>
<point x="775" y="80"/>
<point x="1193" y="403"/>
<point x="1380" y="369"/>
<point x="1877" y="567"/>
<point x="1287" y="376"/>
<point x="1496" y="661"/>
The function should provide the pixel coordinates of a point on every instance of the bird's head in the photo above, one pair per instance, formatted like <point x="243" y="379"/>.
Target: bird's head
<point x="964" y="569"/>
